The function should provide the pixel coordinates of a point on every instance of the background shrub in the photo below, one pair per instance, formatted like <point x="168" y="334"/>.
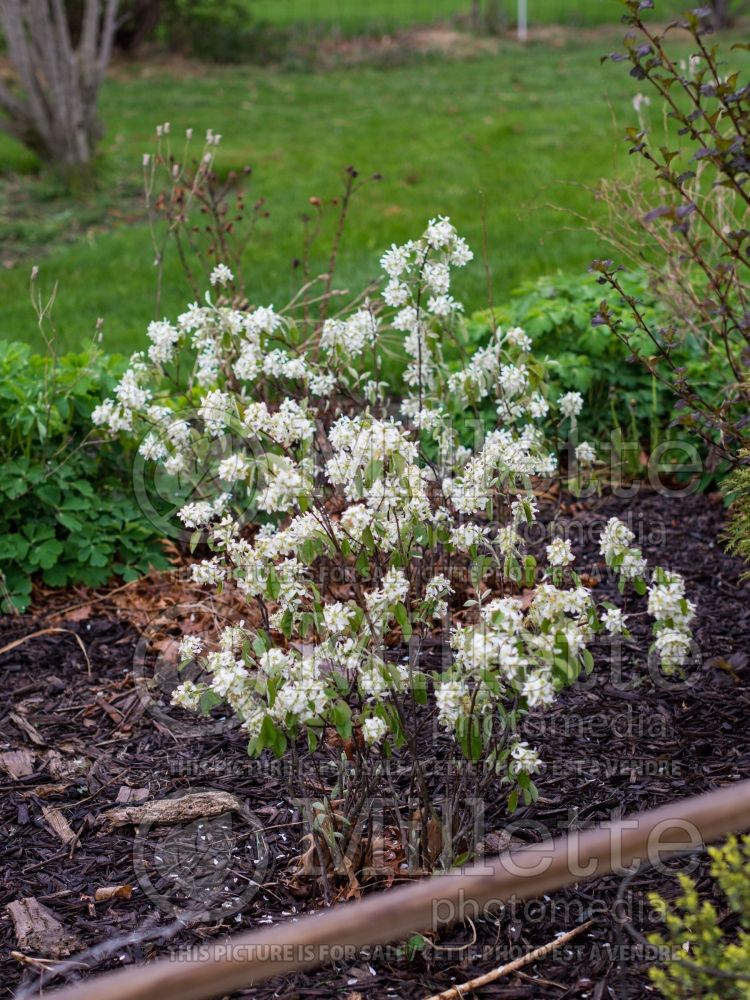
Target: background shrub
<point x="225" y="32"/>
<point x="557" y="310"/>
<point x="709" y="945"/>
<point x="694" y="225"/>
<point x="67" y="510"/>
<point x="738" y="527"/>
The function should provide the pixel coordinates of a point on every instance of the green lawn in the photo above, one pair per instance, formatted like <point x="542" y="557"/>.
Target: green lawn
<point x="352" y="15"/>
<point x="512" y="135"/>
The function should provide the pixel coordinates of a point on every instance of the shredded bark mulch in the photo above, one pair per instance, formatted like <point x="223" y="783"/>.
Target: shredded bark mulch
<point x="75" y="745"/>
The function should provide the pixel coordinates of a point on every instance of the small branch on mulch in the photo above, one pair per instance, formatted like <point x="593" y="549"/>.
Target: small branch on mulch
<point x="89" y="958"/>
<point x="456" y="992"/>
<point x="48" y="631"/>
<point x="194" y="805"/>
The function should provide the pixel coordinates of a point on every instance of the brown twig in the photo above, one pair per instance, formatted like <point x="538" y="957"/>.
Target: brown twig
<point x="48" y="631"/>
<point x="456" y="992"/>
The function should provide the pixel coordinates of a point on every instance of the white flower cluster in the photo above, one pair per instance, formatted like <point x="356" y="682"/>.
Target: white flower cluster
<point x="419" y="281"/>
<point x="505" y="460"/>
<point x="571" y="405"/>
<point x="511" y="654"/>
<point x="351" y="336"/>
<point x="616" y="545"/>
<point x="524" y="758"/>
<point x="560" y="553"/>
<point x="667" y="604"/>
<point x="672" y="613"/>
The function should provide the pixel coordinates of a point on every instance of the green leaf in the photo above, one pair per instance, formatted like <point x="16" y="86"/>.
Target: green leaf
<point x="420" y="688"/>
<point x="14" y="547"/>
<point x="362" y="565"/>
<point x="13" y="488"/>
<point x="279" y="743"/>
<point x="47" y="554"/>
<point x="99" y="557"/>
<point x="402" y="617"/>
<point x="261" y="642"/>
<point x="57" y="575"/>
<point x="49" y="494"/>
<point x="69" y="521"/>
<point x="273" y="586"/>
<point x="342" y="719"/>
<point x="588" y="660"/>
<point x="209" y="699"/>
<point x="287" y="623"/>
<point x="415" y="945"/>
<point x="469" y="736"/>
<point x="84" y="487"/>
<point x="266" y="736"/>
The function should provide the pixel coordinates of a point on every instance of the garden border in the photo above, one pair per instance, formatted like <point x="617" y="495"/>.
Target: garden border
<point x="253" y="957"/>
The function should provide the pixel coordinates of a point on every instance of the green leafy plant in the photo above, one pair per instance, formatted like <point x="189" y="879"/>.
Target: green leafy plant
<point x="67" y="510"/>
<point x="737" y="532"/>
<point x="225" y="31"/>
<point x="556" y="311"/>
<point x="707" y="959"/>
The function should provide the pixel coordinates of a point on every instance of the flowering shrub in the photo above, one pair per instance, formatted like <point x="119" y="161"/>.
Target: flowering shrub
<point x="355" y="521"/>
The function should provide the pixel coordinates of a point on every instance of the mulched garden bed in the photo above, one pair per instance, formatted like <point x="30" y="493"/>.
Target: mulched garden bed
<point x="615" y="744"/>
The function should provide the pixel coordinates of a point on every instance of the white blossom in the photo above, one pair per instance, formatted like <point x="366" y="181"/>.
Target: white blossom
<point x="571" y="404"/>
<point x="373" y="730"/>
<point x="221" y="275"/>
<point x="560" y="553"/>
<point x="614" y="621"/>
<point x="525" y="757"/>
<point x="190" y="647"/>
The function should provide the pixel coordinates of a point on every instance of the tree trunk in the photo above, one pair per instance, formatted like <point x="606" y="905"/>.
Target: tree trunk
<point x="722" y="13"/>
<point x="137" y="25"/>
<point x="53" y="111"/>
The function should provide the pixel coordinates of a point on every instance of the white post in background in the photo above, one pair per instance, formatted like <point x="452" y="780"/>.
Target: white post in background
<point x="523" y="21"/>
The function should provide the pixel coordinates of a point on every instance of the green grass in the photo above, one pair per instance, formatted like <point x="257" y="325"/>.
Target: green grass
<point x="514" y="136"/>
<point x="349" y="16"/>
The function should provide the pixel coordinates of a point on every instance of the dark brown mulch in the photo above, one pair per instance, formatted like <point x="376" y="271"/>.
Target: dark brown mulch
<point x="616" y="744"/>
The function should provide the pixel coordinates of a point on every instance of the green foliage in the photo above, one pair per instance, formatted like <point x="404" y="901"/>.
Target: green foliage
<point x="695" y="940"/>
<point x="737" y="531"/>
<point x="219" y="30"/>
<point x="67" y="511"/>
<point x="557" y="312"/>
